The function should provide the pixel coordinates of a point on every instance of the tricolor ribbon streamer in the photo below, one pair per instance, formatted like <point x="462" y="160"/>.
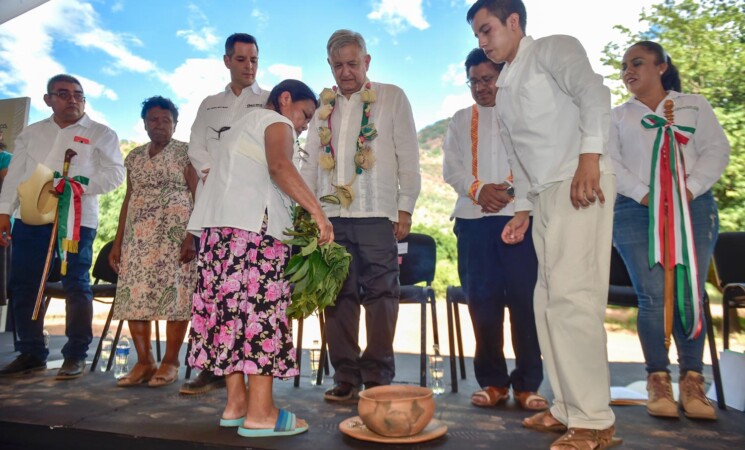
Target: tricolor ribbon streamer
<point x="70" y="190"/>
<point x="668" y="199"/>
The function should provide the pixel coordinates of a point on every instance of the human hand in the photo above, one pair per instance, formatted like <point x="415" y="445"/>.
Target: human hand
<point x="514" y="231"/>
<point x="4" y="230"/>
<point x="494" y="197"/>
<point x="188" y="250"/>
<point x="115" y="255"/>
<point x="645" y="200"/>
<point x="586" y="182"/>
<point x="402" y="228"/>
<point x="325" y="229"/>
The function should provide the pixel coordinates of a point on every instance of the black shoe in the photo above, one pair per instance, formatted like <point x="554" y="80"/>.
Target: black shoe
<point x="71" y="368"/>
<point x="23" y="365"/>
<point x="371" y="384"/>
<point x="342" y="392"/>
<point x="204" y="382"/>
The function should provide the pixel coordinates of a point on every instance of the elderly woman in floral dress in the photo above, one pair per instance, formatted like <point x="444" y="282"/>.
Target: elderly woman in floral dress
<point x="152" y="252"/>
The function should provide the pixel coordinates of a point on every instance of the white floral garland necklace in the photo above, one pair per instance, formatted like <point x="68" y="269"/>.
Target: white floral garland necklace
<point x="364" y="159"/>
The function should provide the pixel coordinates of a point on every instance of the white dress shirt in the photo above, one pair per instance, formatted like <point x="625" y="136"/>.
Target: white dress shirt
<point x="218" y="111"/>
<point x="239" y="189"/>
<point x="394" y="182"/>
<point x="98" y="158"/>
<point x="493" y="166"/>
<point x="552" y="107"/>
<point x="706" y="155"/>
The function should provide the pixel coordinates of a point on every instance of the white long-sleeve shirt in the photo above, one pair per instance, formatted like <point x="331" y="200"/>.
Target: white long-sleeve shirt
<point x="706" y="155"/>
<point x="394" y="182"/>
<point x="98" y="158"/>
<point x="215" y="112"/>
<point x="552" y="108"/>
<point x="493" y="166"/>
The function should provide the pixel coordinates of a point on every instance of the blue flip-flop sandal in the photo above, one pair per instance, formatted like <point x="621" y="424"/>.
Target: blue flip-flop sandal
<point x="231" y="423"/>
<point x="286" y="425"/>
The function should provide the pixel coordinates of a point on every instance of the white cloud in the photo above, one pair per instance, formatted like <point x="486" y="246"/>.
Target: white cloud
<point x="452" y="103"/>
<point x="26" y="44"/>
<point x="94" y="89"/>
<point x="199" y="35"/>
<point x="284" y="71"/>
<point x="203" y="39"/>
<point x="454" y="75"/>
<point x="262" y="19"/>
<point x="399" y="15"/>
<point x="117" y="6"/>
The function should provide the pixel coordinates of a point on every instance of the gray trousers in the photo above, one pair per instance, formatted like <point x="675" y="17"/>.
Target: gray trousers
<point x="372" y="283"/>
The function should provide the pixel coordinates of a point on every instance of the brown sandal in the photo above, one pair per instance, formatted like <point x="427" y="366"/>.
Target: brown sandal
<point x="164" y="379"/>
<point x="490" y="396"/>
<point x="584" y="439"/>
<point x="525" y="398"/>
<point x="128" y="381"/>
<point x="538" y="422"/>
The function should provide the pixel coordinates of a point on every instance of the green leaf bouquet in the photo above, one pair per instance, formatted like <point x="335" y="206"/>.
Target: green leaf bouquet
<point x="317" y="272"/>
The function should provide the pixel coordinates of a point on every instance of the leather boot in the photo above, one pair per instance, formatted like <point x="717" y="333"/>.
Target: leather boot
<point x="660" y="401"/>
<point x="692" y="397"/>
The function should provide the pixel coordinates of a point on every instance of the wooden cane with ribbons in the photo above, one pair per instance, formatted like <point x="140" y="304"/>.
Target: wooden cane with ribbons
<point x="669" y="259"/>
<point x="69" y="154"/>
<point x="670" y="229"/>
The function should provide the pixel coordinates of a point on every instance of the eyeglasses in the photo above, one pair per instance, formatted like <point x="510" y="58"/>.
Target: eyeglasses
<point x="486" y="81"/>
<point x="65" y="96"/>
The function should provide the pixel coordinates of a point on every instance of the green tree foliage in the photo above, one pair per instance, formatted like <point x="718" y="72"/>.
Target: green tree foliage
<point x="706" y="41"/>
<point x="109" y="206"/>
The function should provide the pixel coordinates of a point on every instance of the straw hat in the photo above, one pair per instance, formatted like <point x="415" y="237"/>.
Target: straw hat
<point x="38" y="204"/>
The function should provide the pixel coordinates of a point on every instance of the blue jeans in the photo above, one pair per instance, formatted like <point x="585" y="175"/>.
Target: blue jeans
<point x="630" y="237"/>
<point x="30" y="244"/>
<point x="495" y="275"/>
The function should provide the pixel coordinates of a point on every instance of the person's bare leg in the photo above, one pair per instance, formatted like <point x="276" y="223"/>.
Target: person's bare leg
<point x="175" y="332"/>
<point x="140" y="332"/>
<point x="237" y="399"/>
<point x="262" y="413"/>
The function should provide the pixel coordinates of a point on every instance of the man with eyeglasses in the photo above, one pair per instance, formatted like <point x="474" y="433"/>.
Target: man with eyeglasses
<point x="494" y="275"/>
<point x="212" y="123"/>
<point x="98" y="159"/>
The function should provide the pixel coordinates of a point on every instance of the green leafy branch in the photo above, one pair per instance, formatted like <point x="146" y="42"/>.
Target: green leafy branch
<point x="317" y="272"/>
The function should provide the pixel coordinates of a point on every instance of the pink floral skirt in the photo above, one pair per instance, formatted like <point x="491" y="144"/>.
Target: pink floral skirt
<point x="239" y="321"/>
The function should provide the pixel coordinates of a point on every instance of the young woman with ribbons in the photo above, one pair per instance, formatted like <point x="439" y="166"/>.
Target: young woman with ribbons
<point x="668" y="149"/>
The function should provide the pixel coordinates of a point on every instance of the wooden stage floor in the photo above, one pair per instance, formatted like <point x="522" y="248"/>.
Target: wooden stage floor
<point x="92" y="413"/>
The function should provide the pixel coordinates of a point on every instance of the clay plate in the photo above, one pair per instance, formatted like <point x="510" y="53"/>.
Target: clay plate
<point x="353" y="427"/>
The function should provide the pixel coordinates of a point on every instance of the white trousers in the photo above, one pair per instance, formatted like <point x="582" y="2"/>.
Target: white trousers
<point x="573" y="248"/>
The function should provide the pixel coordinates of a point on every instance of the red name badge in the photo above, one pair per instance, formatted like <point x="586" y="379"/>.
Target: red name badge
<point x="81" y="139"/>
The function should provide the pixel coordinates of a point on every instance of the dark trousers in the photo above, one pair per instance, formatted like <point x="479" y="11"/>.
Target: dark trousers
<point x="30" y="244"/>
<point x="495" y="275"/>
<point x="372" y="283"/>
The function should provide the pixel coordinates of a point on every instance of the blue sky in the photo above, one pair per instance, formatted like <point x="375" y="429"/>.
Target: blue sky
<point x="127" y="50"/>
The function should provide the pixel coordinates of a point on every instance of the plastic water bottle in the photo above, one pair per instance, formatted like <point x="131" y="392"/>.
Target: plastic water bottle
<point x="436" y="372"/>
<point x="315" y="356"/>
<point x="106" y="345"/>
<point x="122" y="357"/>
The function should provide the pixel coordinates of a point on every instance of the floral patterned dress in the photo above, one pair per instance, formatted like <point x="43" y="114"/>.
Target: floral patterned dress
<point x="153" y="284"/>
<point x="239" y="321"/>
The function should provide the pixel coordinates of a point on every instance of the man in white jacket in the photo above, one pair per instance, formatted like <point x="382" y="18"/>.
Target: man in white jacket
<point x="555" y="116"/>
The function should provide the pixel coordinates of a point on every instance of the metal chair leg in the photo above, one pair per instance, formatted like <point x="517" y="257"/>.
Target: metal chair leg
<point x="299" y="351"/>
<point x="714" y="357"/>
<point x="105" y="331"/>
<point x="451" y="341"/>
<point x="324" y="356"/>
<point x="157" y="339"/>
